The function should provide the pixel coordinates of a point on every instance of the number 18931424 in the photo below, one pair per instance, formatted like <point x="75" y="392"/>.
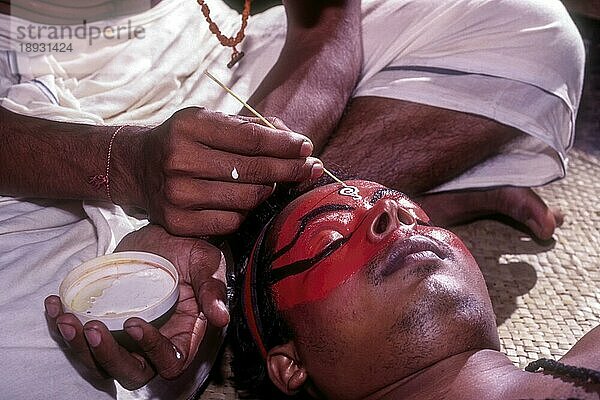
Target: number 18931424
<point x="46" y="47"/>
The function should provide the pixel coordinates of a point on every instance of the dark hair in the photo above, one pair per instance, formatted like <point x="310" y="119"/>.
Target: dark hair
<point x="248" y="365"/>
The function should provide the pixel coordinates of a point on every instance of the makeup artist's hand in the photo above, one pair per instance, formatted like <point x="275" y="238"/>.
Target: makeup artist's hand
<point x="203" y="170"/>
<point x="166" y="351"/>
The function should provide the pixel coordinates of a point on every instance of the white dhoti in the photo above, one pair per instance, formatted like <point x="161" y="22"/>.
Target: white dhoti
<point x="518" y="62"/>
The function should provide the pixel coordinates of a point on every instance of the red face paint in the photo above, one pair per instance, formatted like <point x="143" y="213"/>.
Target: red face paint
<point x="321" y="240"/>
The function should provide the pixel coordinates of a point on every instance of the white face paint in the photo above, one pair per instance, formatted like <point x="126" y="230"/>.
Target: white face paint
<point x="119" y="286"/>
<point x="350" y="191"/>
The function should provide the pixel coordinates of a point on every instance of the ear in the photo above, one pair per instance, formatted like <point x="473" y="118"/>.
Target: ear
<point x="285" y="369"/>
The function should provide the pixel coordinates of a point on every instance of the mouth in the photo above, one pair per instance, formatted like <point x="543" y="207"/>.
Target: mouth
<point x="416" y="250"/>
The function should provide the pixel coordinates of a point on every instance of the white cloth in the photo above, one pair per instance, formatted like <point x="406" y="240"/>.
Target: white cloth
<point x="517" y="61"/>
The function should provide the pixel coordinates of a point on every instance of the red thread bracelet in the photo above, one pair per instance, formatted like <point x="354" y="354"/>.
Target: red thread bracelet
<point x="104" y="180"/>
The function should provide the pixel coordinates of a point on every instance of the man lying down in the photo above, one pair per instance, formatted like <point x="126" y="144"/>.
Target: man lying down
<point x="356" y="296"/>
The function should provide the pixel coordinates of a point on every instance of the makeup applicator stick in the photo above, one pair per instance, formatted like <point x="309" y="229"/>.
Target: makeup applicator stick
<point x="263" y="119"/>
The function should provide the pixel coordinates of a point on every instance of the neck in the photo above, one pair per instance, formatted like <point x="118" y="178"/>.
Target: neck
<point x="65" y="13"/>
<point x="473" y="374"/>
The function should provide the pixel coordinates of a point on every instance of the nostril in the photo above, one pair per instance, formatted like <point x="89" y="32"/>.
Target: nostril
<point x="382" y="223"/>
<point x="405" y="217"/>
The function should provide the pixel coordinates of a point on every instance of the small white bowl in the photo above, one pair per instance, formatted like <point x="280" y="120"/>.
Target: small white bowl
<point x="118" y="286"/>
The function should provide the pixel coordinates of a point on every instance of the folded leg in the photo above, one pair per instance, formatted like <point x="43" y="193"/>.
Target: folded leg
<point x="459" y="95"/>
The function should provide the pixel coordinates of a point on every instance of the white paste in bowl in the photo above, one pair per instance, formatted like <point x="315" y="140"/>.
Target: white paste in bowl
<point x="118" y="286"/>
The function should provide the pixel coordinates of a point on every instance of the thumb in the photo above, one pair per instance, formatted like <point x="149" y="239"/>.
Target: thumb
<point x="207" y="274"/>
<point x="212" y="303"/>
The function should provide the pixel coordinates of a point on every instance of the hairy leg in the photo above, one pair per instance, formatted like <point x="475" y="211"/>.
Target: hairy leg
<point x="408" y="146"/>
<point x="413" y="148"/>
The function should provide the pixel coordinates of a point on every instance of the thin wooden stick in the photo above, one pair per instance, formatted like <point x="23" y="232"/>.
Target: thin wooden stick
<point x="263" y="119"/>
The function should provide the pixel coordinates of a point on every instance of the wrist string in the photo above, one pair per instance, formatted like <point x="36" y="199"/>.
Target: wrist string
<point x="104" y="180"/>
<point x="580" y="375"/>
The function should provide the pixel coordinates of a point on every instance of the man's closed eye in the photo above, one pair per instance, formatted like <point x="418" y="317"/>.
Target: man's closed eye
<point x="323" y="240"/>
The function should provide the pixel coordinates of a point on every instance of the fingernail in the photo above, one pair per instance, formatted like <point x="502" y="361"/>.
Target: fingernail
<point x="67" y="331"/>
<point x="93" y="337"/>
<point x="52" y="310"/>
<point x="316" y="171"/>
<point x="224" y="313"/>
<point x="533" y="225"/>
<point x="306" y="149"/>
<point x="135" y="332"/>
<point x="222" y="305"/>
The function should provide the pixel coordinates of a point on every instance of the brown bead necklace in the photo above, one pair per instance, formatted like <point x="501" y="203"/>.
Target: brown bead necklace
<point x="232" y="41"/>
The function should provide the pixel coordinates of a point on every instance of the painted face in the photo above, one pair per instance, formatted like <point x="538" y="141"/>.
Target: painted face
<point x="324" y="237"/>
<point x="371" y="291"/>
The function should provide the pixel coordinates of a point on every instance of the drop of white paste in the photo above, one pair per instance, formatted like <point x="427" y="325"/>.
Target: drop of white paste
<point x="234" y="174"/>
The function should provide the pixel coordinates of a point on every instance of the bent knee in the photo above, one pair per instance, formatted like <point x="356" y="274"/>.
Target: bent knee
<point x="560" y="44"/>
<point x="550" y="27"/>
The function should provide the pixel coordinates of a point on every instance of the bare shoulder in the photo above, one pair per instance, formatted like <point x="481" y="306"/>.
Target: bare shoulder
<point x="586" y="352"/>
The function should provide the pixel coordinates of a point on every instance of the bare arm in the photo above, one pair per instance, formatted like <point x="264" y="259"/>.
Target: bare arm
<point x="180" y="172"/>
<point x="49" y="159"/>
<point x="586" y="352"/>
<point x="311" y="82"/>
